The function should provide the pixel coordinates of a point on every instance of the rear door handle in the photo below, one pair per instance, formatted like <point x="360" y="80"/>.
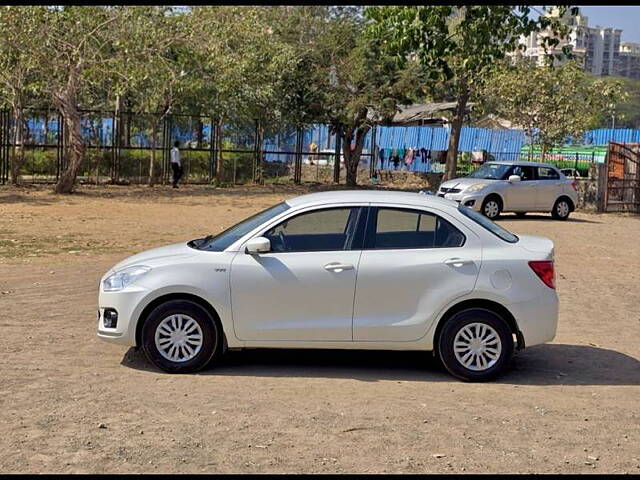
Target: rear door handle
<point x="338" y="267"/>
<point x="458" y="262"/>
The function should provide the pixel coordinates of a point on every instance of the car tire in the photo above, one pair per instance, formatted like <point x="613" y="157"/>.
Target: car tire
<point x="492" y="207"/>
<point x="561" y="209"/>
<point x="521" y="214"/>
<point x="471" y="331"/>
<point x="180" y="336"/>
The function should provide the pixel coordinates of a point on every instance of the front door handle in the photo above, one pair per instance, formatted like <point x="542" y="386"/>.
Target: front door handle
<point x="338" y="267"/>
<point x="458" y="262"/>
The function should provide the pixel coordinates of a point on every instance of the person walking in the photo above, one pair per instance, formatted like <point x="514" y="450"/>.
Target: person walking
<point x="176" y="165"/>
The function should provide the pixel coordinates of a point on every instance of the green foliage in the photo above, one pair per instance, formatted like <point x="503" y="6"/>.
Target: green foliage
<point x="551" y="104"/>
<point x="627" y="107"/>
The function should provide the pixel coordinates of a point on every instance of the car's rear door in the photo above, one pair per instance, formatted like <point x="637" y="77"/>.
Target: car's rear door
<point x="414" y="261"/>
<point x="549" y="188"/>
<point x="303" y="289"/>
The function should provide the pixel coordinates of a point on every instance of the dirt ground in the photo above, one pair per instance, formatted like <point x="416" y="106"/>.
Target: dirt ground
<point x="71" y="403"/>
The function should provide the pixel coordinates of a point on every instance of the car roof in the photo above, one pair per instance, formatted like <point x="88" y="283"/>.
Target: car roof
<point x="524" y="163"/>
<point x="384" y="196"/>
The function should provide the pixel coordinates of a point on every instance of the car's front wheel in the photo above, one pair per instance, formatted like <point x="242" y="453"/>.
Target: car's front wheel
<point x="491" y="207"/>
<point x="476" y="345"/>
<point x="180" y="336"/>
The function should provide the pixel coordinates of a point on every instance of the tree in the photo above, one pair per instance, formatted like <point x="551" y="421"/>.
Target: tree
<point x="627" y="109"/>
<point x="345" y="79"/>
<point x="72" y="47"/>
<point x="458" y="46"/>
<point x="551" y="104"/>
<point x="18" y="82"/>
<point x="156" y="74"/>
<point x="237" y="65"/>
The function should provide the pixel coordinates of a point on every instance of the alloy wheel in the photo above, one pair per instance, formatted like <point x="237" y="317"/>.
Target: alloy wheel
<point x="477" y="346"/>
<point x="178" y="338"/>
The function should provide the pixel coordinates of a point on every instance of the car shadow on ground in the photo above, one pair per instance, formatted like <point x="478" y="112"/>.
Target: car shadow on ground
<point x="549" y="364"/>
<point x="543" y="217"/>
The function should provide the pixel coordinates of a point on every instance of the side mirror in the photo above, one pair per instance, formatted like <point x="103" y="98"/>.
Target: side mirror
<point x="514" y="178"/>
<point x="258" y="245"/>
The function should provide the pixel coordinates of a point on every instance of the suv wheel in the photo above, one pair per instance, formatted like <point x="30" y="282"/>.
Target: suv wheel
<point x="180" y="336"/>
<point x="491" y="207"/>
<point x="561" y="209"/>
<point x="476" y="345"/>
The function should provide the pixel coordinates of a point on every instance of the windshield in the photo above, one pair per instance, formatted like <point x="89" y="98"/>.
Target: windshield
<point x="494" y="228"/>
<point x="217" y="243"/>
<point x="492" y="171"/>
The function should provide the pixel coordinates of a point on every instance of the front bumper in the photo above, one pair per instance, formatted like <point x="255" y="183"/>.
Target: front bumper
<point x="128" y="303"/>
<point x="471" y="200"/>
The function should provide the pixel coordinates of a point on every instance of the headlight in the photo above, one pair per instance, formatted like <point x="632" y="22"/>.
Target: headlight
<point x="119" y="280"/>
<point x="476" y="188"/>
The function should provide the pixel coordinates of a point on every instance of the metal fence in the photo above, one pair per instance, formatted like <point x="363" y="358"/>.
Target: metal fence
<point x="119" y="146"/>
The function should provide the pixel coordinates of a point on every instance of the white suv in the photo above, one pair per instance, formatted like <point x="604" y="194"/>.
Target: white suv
<point x="519" y="187"/>
<point x="345" y="270"/>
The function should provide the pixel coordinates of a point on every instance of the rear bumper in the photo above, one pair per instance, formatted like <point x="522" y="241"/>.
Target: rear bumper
<point x="537" y="319"/>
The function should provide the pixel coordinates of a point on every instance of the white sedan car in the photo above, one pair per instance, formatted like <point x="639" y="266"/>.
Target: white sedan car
<point x="340" y="270"/>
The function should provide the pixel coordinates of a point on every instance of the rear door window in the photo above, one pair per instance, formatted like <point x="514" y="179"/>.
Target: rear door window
<point x="395" y="228"/>
<point x="547" y="173"/>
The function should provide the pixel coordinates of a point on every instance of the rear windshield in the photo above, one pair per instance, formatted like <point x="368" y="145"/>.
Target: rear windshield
<point x="494" y="228"/>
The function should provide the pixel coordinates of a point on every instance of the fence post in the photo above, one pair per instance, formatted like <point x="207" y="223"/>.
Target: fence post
<point x="255" y="152"/>
<point x="336" y="163"/>
<point x="212" y="150"/>
<point x="166" y="148"/>
<point x="60" y="146"/>
<point x="297" y="158"/>
<point x="2" y="142"/>
<point x="374" y="156"/>
<point x="3" y="157"/>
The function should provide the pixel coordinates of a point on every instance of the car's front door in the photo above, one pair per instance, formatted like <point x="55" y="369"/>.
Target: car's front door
<point x="521" y="196"/>
<point x="549" y="188"/>
<point x="413" y="263"/>
<point x="302" y="290"/>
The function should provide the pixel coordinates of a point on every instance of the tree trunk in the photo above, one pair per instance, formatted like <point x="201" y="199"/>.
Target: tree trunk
<point x="68" y="106"/>
<point x="352" y="157"/>
<point x="454" y="137"/>
<point x="152" y="160"/>
<point x="17" y="154"/>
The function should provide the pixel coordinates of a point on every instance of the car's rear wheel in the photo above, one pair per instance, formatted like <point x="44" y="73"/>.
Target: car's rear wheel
<point x="476" y="345"/>
<point x="561" y="209"/>
<point x="180" y="336"/>
<point x="491" y="207"/>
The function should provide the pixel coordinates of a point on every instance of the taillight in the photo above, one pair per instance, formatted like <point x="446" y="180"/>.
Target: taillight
<point x="573" y="184"/>
<point x="544" y="269"/>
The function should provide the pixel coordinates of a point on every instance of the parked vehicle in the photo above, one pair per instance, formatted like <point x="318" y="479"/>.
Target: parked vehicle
<point x="432" y="275"/>
<point x="518" y="187"/>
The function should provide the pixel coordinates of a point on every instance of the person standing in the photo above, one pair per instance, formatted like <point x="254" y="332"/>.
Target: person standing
<point x="176" y="165"/>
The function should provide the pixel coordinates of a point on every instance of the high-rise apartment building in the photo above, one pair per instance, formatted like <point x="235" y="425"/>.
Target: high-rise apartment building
<point x="598" y="49"/>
